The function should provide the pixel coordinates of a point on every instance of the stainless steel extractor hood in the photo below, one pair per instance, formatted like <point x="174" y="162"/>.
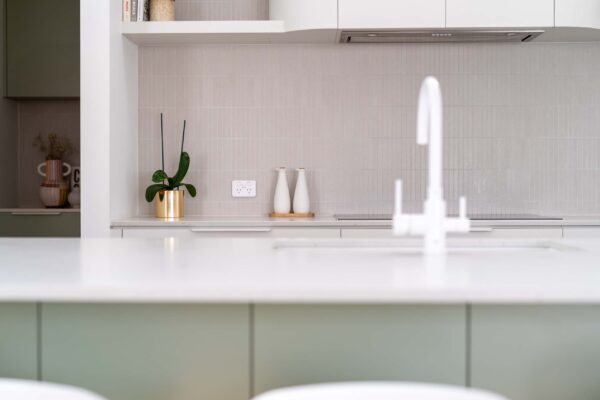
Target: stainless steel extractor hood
<point x="439" y="36"/>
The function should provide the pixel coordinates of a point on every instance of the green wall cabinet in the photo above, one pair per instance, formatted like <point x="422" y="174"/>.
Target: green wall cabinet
<point x="18" y="341"/>
<point x="302" y="344"/>
<point x="537" y="352"/>
<point x="149" y="352"/>
<point x="40" y="225"/>
<point x="42" y="48"/>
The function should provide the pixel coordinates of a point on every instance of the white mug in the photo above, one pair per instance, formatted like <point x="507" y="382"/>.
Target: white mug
<point x="76" y="178"/>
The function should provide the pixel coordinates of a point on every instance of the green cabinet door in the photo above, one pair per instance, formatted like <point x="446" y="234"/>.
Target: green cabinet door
<point x="148" y="352"/>
<point x="537" y="352"/>
<point x="303" y="344"/>
<point x="42" y="48"/>
<point x="18" y="341"/>
<point x="27" y="225"/>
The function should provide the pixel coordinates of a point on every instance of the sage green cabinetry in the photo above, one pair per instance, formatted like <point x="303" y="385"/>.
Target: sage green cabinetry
<point x="61" y="224"/>
<point x="42" y="48"/>
<point x="18" y="340"/>
<point x="302" y="344"/>
<point x="537" y="352"/>
<point x="149" y="352"/>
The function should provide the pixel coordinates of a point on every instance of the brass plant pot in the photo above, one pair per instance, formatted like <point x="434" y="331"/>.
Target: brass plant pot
<point x="169" y="204"/>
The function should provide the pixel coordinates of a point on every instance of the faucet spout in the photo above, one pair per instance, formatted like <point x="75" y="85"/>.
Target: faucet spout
<point x="429" y="131"/>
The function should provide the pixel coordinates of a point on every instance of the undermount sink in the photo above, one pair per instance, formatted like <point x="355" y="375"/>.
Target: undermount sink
<point x="414" y="245"/>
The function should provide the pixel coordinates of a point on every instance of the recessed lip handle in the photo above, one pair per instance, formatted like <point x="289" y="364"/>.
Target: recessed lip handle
<point x="481" y="230"/>
<point x="22" y="213"/>
<point x="234" y="230"/>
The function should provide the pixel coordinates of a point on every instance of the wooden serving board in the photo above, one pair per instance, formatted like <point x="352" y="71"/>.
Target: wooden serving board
<point x="292" y="215"/>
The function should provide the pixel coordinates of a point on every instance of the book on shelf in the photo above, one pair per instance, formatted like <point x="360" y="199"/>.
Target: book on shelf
<point x="136" y="10"/>
<point x="146" y="10"/>
<point x="126" y="10"/>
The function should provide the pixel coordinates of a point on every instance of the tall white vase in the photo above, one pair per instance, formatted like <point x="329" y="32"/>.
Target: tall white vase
<point x="281" y="202"/>
<point x="301" y="197"/>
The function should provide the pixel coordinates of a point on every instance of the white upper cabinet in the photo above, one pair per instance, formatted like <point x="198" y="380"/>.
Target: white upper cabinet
<point x="304" y="14"/>
<point x="501" y="13"/>
<point x="578" y="13"/>
<point x="382" y="14"/>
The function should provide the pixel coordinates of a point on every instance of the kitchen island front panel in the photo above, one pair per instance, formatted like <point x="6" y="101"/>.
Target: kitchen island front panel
<point x="148" y="352"/>
<point x="18" y="340"/>
<point x="304" y="344"/>
<point x="549" y="352"/>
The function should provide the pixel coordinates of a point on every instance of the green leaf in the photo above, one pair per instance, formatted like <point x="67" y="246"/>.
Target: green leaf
<point x="191" y="189"/>
<point x="152" y="190"/>
<point x="159" y="176"/>
<point x="184" y="165"/>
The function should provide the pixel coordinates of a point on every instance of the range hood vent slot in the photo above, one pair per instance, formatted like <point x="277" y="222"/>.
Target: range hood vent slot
<point x="440" y="36"/>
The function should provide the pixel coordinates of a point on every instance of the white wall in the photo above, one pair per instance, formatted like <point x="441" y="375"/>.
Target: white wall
<point x="95" y="118"/>
<point x="124" y="119"/>
<point x="108" y="118"/>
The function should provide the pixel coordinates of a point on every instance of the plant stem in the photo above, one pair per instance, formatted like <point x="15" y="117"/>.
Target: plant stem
<point x="162" y="143"/>
<point x="183" y="137"/>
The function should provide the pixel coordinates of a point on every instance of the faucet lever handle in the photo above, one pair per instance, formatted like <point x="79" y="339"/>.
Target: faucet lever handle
<point x="398" y="197"/>
<point x="462" y="207"/>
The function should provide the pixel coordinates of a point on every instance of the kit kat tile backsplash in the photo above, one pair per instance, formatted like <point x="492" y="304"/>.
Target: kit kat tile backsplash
<point x="522" y="123"/>
<point x="190" y="10"/>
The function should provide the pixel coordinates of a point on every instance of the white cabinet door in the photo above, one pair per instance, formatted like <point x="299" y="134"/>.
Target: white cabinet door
<point x="367" y="233"/>
<point x="580" y="13"/>
<point x="483" y="233"/>
<point x="186" y="232"/>
<point x="500" y="13"/>
<point x="582" y="232"/>
<point x="361" y="14"/>
<point x="305" y="14"/>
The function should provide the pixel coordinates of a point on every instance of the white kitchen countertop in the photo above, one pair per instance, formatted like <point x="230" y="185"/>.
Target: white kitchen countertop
<point x="253" y="270"/>
<point x="325" y="222"/>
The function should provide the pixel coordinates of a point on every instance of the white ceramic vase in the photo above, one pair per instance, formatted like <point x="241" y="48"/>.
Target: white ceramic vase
<point x="281" y="201"/>
<point x="74" y="198"/>
<point x="301" y="197"/>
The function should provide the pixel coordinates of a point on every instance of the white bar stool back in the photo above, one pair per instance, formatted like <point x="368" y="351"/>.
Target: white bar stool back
<point x="377" y="391"/>
<point x="16" y="389"/>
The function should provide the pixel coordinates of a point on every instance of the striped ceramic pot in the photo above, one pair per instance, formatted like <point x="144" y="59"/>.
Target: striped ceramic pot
<point x="52" y="170"/>
<point x="54" y="194"/>
<point x="54" y="190"/>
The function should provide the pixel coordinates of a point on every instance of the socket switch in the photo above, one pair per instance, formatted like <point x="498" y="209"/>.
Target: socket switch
<point x="243" y="188"/>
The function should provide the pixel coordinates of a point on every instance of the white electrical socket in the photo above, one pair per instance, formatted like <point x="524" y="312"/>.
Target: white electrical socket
<point x="243" y="188"/>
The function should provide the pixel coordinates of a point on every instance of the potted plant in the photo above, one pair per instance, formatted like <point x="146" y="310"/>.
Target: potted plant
<point x="166" y="190"/>
<point x="54" y="189"/>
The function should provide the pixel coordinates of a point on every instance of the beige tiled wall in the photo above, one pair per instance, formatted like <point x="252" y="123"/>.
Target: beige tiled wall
<point x="190" y="10"/>
<point x="522" y="123"/>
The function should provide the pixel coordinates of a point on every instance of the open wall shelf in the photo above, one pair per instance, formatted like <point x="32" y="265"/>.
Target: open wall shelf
<point x="239" y="32"/>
